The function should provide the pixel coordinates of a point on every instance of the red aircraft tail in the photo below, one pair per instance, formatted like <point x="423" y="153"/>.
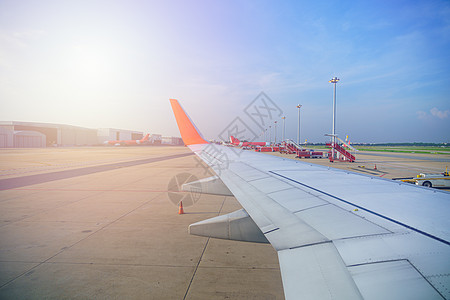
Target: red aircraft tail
<point x="145" y="138"/>
<point x="234" y="140"/>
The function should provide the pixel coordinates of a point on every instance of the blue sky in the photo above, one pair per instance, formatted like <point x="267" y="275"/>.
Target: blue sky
<point x="116" y="63"/>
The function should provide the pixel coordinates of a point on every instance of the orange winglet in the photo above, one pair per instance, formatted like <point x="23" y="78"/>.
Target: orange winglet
<point x="189" y="132"/>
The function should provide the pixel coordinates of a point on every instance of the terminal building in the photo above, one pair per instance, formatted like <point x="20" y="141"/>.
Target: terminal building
<point x="15" y="134"/>
<point x="111" y="134"/>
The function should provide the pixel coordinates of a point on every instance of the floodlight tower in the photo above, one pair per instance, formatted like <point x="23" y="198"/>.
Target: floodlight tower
<point x="276" y="129"/>
<point x="298" y="128"/>
<point x="270" y="135"/>
<point x="284" y="126"/>
<point x="333" y="137"/>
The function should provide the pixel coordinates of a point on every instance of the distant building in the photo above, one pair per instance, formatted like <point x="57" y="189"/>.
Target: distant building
<point x="31" y="134"/>
<point x="170" y="140"/>
<point x="55" y="134"/>
<point x="21" y="139"/>
<point x="112" y="134"/>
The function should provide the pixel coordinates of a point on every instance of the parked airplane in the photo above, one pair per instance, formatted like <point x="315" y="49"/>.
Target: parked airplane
<point x="237" y="142"/>
<point x="128" y="142"/>
<point x="338" y="234"/>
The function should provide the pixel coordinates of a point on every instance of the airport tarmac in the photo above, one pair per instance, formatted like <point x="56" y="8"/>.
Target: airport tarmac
<point x="98" y="222"/>
<point x="387" y="165"/>
<point x="108" y="230"/>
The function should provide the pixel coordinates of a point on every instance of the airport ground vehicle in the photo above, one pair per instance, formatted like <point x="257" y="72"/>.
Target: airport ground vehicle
<point x="438" y="180"/>
<point x="433" y="180"/>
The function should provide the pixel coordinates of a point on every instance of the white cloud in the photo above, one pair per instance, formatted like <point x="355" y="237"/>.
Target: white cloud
<point x="434" y="112"/>
<point x="439" y="113"/>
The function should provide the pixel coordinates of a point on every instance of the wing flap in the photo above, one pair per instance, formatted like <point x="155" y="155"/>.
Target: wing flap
<point x="316" y="272"/>
<point x="392" y="280"/>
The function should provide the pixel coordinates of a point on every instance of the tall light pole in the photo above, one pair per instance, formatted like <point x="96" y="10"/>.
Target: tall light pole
<point x="270" y="135"/>
<point x="333" y="137"/>
<point x="276" y="132"/>
<point x="298" y="128"/>
<point x="284" y="126"/>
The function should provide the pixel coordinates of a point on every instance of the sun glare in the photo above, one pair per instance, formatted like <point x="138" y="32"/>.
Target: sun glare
<point x="92" y="62"/>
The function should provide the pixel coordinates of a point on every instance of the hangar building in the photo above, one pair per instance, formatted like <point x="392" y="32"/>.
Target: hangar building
<point x="25" y="134"/>
<point x="14" y="134"/>
<point x="21" y="139"/>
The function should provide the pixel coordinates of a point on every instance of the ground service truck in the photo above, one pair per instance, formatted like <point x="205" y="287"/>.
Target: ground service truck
<point x="439" y="180"/>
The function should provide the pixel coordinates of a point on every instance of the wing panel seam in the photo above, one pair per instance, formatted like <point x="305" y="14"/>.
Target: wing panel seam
<point x="312" y="244"/>
<point x="312" y="207"/>
<point x="366" y="209"/>
<point x="379" y="262"/>
<point x="271" y="230"/>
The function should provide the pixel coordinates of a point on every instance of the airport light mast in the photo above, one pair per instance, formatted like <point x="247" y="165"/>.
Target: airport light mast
<point x="270" y="135"/>
<point x="276" y="129"/>
<point x="333" y="136"/>
<point x="298" y="128"/>
<point x="284" y="126"/>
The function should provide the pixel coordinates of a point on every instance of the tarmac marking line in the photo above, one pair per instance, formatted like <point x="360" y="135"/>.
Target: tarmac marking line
<point x="201" y="256"/>
<point x="17" y="182"/>
<point x="95" y="190"/>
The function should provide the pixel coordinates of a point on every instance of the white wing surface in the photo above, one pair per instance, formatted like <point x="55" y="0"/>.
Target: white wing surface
<point x="338" y="234"/>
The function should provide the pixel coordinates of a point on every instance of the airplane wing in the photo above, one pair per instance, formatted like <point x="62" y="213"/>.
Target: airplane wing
<point x="338" y="234"/>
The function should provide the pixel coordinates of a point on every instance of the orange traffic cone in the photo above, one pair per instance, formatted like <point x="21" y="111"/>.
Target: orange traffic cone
<point x="180" y="208"/>
<point x="375" y="167"/>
